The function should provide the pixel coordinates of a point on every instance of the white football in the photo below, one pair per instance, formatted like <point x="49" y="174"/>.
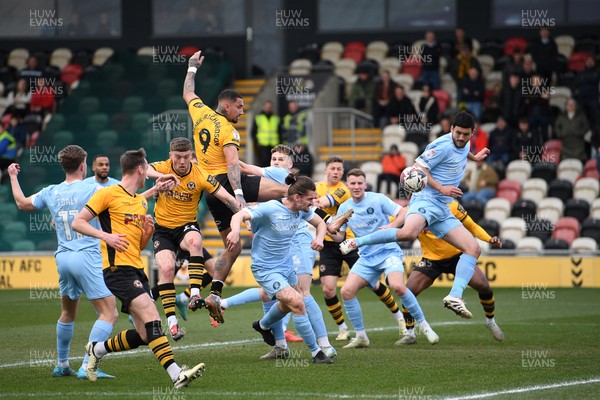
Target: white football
<point x="413" y="179"/>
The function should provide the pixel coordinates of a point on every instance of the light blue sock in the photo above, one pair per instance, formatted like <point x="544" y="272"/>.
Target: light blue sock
<point x="100" y="333"/>
<point x="315" y="316"/>
<point x="64" y="334"/>
<point x="286" y="320"/>
<point x="464" y="272"/>
<point x="247" y="296"/>
<point x="409" y="301"/>
<point x="272" y="316"/>
<point x="354" y="312"/>
<point x="383" y="236"/>
<point x="277" y="327"/>
<point x="306" y="332"/>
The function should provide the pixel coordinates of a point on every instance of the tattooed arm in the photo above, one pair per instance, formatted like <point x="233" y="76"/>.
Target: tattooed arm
<point x="189" y="84"/>
<point x="227" y="199"/>
<point x="233" y="172"/>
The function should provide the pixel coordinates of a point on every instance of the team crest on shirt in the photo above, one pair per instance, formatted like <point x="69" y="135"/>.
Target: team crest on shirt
<point x="236" y="135"/>
<point x="370" y="210"/>
<point x="138" y="284"/>
<point x="144" y="204"/>
<point x="429" y="153"/>
<point x="156" y="244"/>
<point x="276" y="285"/>
<point x="198" y="105"/>
<point x="191" y="185"/>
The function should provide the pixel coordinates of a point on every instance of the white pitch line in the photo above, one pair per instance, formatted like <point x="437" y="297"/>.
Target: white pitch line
<point x="205" y="345"/>
<point x="526" y="389"/>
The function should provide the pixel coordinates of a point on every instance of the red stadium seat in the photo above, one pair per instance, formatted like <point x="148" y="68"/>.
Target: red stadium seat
<point x="509" y="194"/>
<point x="188" y="51"/>
<point x="511" y="44"/>
<point x="355" y="51"/>
<point x="591" y="164"/>
<point x="71" y="73"/>
<point x="507" y="184"/>
<point x="551" y="153"/>
<point x="443" y="99"/>
<point x="591" y="173"/>
<point x="577" y="61"/>
<point x="412" y="66"/>
<point x="567" y="229"/>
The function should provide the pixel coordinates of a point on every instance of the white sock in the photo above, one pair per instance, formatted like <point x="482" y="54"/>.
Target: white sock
<point x="174" y="370"/>
<point x="490" y="321"/>
<point x="99" y="349"/>
<point x="195" y="291"/>
<point x="315" y="352"/>
<point x="281" y="343"/>
<point x="424" y="325"/>
<point x="398" y="315"/>
<point x="323" y="342"/>
<point x="172" y="320"/>
<point x="223" y="304"/>
<point x="64" y="364"/>
<point x="184" y="297"/>
<point x="362" y="334"/>
<point x="410" y="332"/>
<point x="262" y="326"/>
<point x="343" y="326"/>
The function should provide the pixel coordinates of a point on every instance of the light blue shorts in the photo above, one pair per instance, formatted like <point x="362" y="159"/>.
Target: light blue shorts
<point x="303" y="257"/>
<point x="81" y="272"/>
<point x="439" y="219"/>
<point x="274" y="280"/>
<point x="371" y="271"/>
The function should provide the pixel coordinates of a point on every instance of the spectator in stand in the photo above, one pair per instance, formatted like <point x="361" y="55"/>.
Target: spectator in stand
<point x="304" y="160"/>
<point x="500" y="141"/>
<point x="76" y="29"/>
<point x="430" y="71"/>
<point x="4" y="103"/>
<point x="362" y="92"/>
<point x="482" y="183"/>
<point x="401" y="108"/>
<point x="17" y="130"/>
<point x="527" y="143"/>
<point x="513" y="67"/>
<point x="104" y="27"/>
<point x="491" y="105"/>
<point x="428" y="106"/>
<point x="512" y="104"/>
<point x="472" y="93"/>
<point x="384" y="91"/>
<point x="459" y="69"/>
<point x="8" y="153"/>
<point x="445" y="126"/>
<point x="392" y="165"/>
<point x="570" y="128"/>
<point x="537" y="103"/>
<point x="42" y="99"/>
<point x="586" y="89"/>
<point x="18" y="99"/>
<point x="266" y="133"/>
<point x="479" y="139"/>
<point x="528" y="69"/>
<point x="544" y="51"/>
<point x="31" y="71"/>
<point x="294" y="125"/>
<point x="461" y="40"/>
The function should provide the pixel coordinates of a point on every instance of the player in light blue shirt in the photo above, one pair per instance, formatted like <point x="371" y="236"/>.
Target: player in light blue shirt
<point x="302" y="256"/>
<point x="372" y="211"/>
<point x="78" y="257"/>
<point x="101" y="169"/>
<point x="443" y="161"/>
<point x="274" y="225"/>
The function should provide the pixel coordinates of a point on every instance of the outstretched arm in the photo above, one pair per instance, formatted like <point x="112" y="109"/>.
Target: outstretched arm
<point x="250" y="169"/>
<point x="23" y="203"/>
<point x="195" y="61"/>
<point x="227" y="199"/>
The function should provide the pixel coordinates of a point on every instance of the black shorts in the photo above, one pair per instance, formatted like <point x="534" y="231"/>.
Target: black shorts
<point x="433" y="269"/>
<point x="220" y="212"/>
<point x="170" y="238"/>
<point x="331" y="258"/>
<point x="126" y="283"/>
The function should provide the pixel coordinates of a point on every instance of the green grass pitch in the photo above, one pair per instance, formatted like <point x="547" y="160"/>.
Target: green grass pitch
<point x="551" y="351"/>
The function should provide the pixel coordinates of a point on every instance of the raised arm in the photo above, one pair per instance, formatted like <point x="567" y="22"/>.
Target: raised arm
<point x="23" y="203"/>
<point x="250" y="169"/>
<point x="194" y="63"/>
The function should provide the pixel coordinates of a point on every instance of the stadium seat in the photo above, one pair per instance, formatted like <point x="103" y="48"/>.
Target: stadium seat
<point x="390" y="139"/>
<point x="591" y="228"/>
<point x="493" y="79"/>
<point x="188" y="51"/>
<point x="101" y="55"/>
<point x="565" y="44"/>
<point x="89" y="105"/>
<point x="409" y="150"/>
<point x="567" y="229"/>
<point x="509" y="194"/>
<point x="508" y="184"/>
<point x="97" y="122"/>
<point x="530" y="245"/>
<point x="70" y="74"/>
<point x="372" y="169"/>
<point x="17" y="58"/>
<point x="592" y="173"/>
<point x="556" y="244"/>
<point x="586" y="189"/>
<point x="332" y="51"/>
<point x="595" y="212"/>
<point x="577" y="208"/>
<point x="166" y="88"/>
<point x="561" y="189"/>
<point x="551" y="209"/>
<point x="534" y="189"/>
<point x="545" y="170"/>
<point x="508" y="245"/>
<point x="132" y="105"/>
<point x="107" y="139"/>
<point x="391" y="64"/>
<point x="300" y="66"/>
<point x="487" y="63"/>
<point x="576" y="61"/>
<point x="345" y="68"/>
<point x="513" y="229"/>
<point x="62" y="139"/>
<point x="560" y="96"/>
<point x="552" y="150"/>
<point x="484" y="246"/>
<point x="355" y="51"/>
<point x="513" y="43"/>
<point x="140" y="122"/>
<point x="591" y="164"/>
<point x="518" y="170"/>
<point x="443" y="99"/>
<point x="490" y="226"/>
<point x="497" y="209"/>
<point x="524" y="209"/>
<point x="406" y="81"/>
<point x="23" y="246"/>
<point x="474" y="208"/>
<point x="584" y="245"/>
<point x="540" y="228"/>
<point x="8" y="211"/>
<point x="14" y="231"/>
<point x="61" y="57"/>
<point x="377" y="50"/>
<point x="412" y="66"/>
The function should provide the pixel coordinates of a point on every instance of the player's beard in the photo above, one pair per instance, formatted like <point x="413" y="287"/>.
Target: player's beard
<point x="456" y="144"/>
<point x="102" y="175"/>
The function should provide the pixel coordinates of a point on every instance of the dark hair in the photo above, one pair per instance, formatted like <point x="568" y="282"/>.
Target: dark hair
<point x="357" y="172"/>
<point x="97" y="156"/>
<point x="180" y="144"/>
<point x="71" y="157"/>
<point x="334" y="159"/>
<point x="132" y="159"/>
<point x="230" y="95"/>
<point x="464" y="120"/>
<point x="299" y="185"/>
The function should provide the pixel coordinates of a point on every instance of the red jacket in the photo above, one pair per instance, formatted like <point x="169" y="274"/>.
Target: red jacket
<point x="393" y="164"/>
